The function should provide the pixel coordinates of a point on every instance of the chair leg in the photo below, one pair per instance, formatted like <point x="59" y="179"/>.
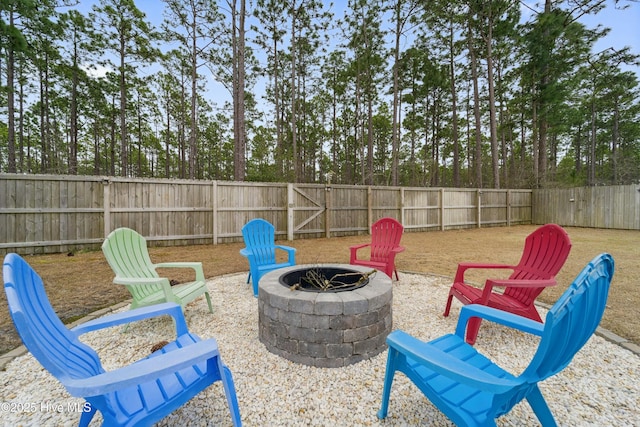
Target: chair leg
<point x="254" y="283"/>
<point x="388" y="380"/>
<point x="206" y="294"/>
<point x="473" y="326"/>
<point x="232" y="398"/>
<point x="87" y="416"/>
<point x="540" y="407"/>
<point x="448" y="306"/>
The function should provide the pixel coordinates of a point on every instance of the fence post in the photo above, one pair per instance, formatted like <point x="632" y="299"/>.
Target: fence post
<point x="369" y="208"/>
<point x="214" y="208"/>
<point x="290" y="216"/>
<point x="327" y="209"/>
<point x="479" y="205"/>
<point x="508" y="208"/>
<point x="106" y="204"/>
<point x="401" y="205"/>
<point x="441" y="209"/>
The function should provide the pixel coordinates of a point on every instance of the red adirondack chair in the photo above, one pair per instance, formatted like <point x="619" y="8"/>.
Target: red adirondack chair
<point x="544" y="254"/>
<point x="385" y="245"/>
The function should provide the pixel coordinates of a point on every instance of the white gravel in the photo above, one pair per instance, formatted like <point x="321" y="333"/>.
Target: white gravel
<point x="599" y="388"/>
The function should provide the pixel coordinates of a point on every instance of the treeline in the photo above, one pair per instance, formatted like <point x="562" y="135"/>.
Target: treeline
<point x="388" y="92"/>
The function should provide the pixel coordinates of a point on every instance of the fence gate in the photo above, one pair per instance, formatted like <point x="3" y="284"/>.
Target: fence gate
<point x="306" y="205"/>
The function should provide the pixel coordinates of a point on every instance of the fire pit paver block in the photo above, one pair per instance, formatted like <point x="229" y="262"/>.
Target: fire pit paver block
<point x="325" y="329"/>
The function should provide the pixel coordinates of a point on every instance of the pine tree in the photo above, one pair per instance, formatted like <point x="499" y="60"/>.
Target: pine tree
<point x="125" y="32"/>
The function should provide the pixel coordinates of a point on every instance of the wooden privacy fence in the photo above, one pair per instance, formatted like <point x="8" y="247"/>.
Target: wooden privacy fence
<point x="49" y="214"/>
<point x="615" y="206"/>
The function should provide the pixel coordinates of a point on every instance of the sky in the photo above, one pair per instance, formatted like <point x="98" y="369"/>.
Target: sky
<point x="624" y="25"/>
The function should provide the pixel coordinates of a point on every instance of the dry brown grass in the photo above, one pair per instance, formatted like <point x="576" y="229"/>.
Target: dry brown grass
<point x="80" y="284"/>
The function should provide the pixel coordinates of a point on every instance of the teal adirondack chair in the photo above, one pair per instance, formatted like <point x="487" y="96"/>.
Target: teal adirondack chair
<point x="260" y="250"/>
<point x="127" y="254"/>
<point x="472" y="390"/>
<point x="139" y="394"/>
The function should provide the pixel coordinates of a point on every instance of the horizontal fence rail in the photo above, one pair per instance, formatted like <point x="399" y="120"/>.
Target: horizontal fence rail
<point x="52" y="214"/>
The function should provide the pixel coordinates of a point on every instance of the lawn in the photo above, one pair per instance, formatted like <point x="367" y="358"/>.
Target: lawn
<point x="80" y="283"/>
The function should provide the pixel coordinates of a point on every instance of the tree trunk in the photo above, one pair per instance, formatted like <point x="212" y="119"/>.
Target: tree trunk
<point x="96" y="147"/>
<point x="615" y="138"/>
<point x="454" y="111"/>
<point x="591" y="179"/>
<point x="239" y="126"/>
<point x="73" y="143"/>
<point x="167" y="143"/>
<point x="193" y="135"/>
<point x="11" y="131"/>
<point x="294" y="112"/>
<point x="123" y="112"/>
<point x="543" y="124"/>
<point x="395" y="137"/>
<point x="21" y="119"/>
<point x="242" y="128"/>
<point x="492" y="109"/>
<point x="276" y="94"/>
<point x="476" y="110"/>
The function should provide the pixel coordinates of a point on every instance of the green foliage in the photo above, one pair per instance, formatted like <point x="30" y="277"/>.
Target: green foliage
<point x="93" y="94"/>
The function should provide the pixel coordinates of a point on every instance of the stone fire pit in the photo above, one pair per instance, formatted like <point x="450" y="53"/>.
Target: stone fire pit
<point x="325" y="329"/>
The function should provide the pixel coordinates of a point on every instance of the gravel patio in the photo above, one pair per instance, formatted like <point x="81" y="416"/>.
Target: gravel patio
<point x="599" y="388"/>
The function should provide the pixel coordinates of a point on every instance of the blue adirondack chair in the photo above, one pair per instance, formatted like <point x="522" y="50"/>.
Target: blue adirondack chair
<point x="138" y="394"/>
<point x="260" y="250"/>
<point x="472" y="390"/>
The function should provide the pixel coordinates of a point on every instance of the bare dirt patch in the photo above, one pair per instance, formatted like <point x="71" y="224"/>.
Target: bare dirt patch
<point x="80" y="284"/>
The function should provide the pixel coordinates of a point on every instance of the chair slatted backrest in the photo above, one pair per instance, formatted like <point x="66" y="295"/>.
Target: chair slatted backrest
<point x="385" y="236"/>
<point x="40" y="329"/>
<point x="568" y="326"/>
<point x="127" y="254"/>
<point x="545" y="252"/>
<point x="573" y="319"/>
<point x="259" y="237"/>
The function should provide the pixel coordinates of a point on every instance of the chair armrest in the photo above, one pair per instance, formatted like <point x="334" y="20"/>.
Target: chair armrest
<point x="516" y="283"/>
<point x="169" y="308"/>
<point x="392" y="254"/>
<point x="248" y="253"/>
<point x="445" y="364"/>
<point x="145" y="370"/>
<point x="133" y="281"/>
<point x="464" y="266"/>
<point x="163" y="282"/>
<point x="497" y="316"/>
<point x="290" y="251"/>
<point x="356" y="247"/>
<point x="184" y="264"/>
<point x="196" y="266"/>
<point x="519" y="283"/>
<point x="354" y="251"/>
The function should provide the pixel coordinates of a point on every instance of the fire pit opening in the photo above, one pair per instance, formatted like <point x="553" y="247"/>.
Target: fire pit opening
<point x="325" y="279"/>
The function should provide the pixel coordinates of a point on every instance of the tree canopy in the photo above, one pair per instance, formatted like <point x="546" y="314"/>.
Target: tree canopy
<point x="390" y="92"/>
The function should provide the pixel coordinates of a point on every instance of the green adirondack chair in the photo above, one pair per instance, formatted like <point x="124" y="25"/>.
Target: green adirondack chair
<point x="127" y="254"/>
